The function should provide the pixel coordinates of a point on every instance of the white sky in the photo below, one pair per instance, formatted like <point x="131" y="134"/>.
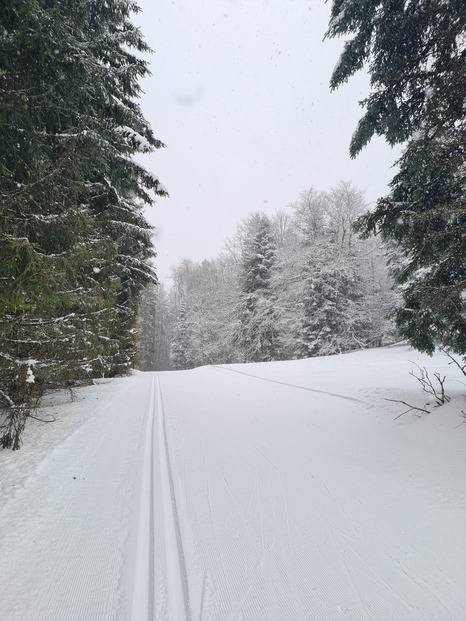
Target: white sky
<point x="240" y="95"/>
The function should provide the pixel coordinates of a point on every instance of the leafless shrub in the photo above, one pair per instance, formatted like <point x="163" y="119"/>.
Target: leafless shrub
<point x="430" y="387"/>
<point x="435" y="387"/>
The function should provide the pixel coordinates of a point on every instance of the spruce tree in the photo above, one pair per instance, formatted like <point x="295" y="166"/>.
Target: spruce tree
<point x="416" y="53"/>
<point x="257" y="335"/>
<point x="332" y="285"/>
<point x="74" y="243"/>
<point x="332" y="289"/>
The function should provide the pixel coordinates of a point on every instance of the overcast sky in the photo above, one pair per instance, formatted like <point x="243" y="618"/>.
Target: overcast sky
<point x="240" y="95"/>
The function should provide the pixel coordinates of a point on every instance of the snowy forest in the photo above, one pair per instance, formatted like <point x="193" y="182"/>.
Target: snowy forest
<point x="302" y="283"/>
<point x="296" y="284"/>
<point x="79" y="297"/>
<point x="75" y="246"/>
<point x="275" y="432"/>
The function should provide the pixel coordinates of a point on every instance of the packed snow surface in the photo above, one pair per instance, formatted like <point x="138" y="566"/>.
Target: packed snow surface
<point x="279" y="491"/>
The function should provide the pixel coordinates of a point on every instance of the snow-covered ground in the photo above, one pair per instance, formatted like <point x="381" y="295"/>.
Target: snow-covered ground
<point x="279" y="491"/>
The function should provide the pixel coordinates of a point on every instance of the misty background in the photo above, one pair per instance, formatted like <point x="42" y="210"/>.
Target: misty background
<point x="240" y="95"/>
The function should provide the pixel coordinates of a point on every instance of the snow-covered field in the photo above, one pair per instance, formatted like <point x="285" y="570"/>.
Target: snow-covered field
<point x="279" y="491"/>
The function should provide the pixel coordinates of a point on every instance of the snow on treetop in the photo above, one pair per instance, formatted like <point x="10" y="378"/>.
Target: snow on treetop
<point x="160" y="187"/>
<point x="142" y="142"/>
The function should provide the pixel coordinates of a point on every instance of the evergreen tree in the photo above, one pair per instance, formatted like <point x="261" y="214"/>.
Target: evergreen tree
<point x="74" y="244"/>
<point x="258" y="337"/>
<point x="416" y="51"/>
<point x="332" y="308"/>
<point x="329" y="284"/>
<point x="332" y="294"/>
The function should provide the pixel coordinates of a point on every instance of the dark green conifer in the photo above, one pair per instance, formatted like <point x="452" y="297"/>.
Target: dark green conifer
<point x="416" y="53"/>
<point x="75" y="246"/>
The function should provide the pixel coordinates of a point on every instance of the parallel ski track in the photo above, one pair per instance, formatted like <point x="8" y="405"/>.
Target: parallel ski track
<point x="177" y="582"/>
<point x="143" y="587"/>
<point x="266" y="379"/>
<point x="156" y="468"/>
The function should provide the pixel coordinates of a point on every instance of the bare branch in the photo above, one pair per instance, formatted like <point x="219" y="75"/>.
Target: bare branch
<point x="428" y="387"/>
<point x="454" y="361"/>
<point x="42" y="420"/>
<point x="409" y="406"/>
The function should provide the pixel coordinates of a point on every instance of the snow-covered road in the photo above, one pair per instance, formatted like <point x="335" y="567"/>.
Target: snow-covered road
<point x="280" y="491"/>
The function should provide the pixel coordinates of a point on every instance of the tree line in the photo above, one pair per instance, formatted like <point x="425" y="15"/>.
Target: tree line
<point x="295" y="284"/>
<point x="75" y="246"/>
<point x="307" y="296"/>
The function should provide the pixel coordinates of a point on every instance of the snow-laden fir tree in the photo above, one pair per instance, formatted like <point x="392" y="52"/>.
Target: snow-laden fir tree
<point x="332" y="299"/>
<point x="74" y="244"/>
<point x="257" y="330"/>
<point x="416" y="54"/>
<point x="329" y="285"/>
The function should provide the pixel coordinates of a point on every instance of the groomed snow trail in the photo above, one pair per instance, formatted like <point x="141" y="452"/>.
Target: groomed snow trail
<point x="67" y="535"/>
<point x="268" y="492"/>
<point x="92" y="533"/>
<point x="302" y="499"/>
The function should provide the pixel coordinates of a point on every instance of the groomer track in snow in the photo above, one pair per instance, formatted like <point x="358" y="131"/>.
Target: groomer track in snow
<point x="266" y="492"/>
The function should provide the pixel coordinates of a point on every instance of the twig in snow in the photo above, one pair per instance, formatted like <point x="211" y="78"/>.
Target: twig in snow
<point x="428" y="387"/>
<point x="409" y="406"/>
